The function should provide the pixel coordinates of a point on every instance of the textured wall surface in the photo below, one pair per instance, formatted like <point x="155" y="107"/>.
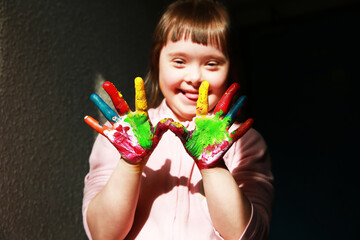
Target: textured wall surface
<point x="51" y="53"/>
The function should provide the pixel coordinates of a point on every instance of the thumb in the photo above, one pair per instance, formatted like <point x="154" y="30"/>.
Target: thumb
<point x="161" y="127"/>
<point x="179" y="130"/>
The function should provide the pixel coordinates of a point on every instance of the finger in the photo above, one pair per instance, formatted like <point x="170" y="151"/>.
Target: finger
<point x="202" y="102"/>
<point x="116" y="97"/>
<point x="140" y="97"/>
<point x="225" y="101"/>
<point x="161" y="128"/>
<point x="100" y="128"/>
<point x="235" y="110"/>
<point x="238" y="133"/>
<point x="179" y="130"/>
<point x="104" y="108"/>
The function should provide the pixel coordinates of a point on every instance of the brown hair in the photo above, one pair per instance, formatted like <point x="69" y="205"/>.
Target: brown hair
<point x="205" y="21"/>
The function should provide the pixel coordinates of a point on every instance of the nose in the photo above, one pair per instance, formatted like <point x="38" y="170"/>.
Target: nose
<point x="194" y="75"/>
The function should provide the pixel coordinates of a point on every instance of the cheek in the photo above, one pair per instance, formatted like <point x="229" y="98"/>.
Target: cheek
<point x="218" y="88"/>
<point x="168" y="79"/>
<point x="218" y="84"/>
<point x="213" y="100"/>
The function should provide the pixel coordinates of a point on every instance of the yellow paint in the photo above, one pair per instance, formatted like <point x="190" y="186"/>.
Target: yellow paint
<point x="202" y="102"/>
<point x="176" y="124"/>
<point x="140" y="97"/>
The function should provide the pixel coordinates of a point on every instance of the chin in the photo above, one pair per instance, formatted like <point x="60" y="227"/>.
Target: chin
<point x="186" y="115"/>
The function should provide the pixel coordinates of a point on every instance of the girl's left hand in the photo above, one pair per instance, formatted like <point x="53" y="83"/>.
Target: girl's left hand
<point x="210" y="139"/>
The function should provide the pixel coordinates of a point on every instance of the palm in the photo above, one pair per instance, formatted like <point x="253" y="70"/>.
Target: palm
<point x="210" y="139"/>
<point x="131" y="133"/>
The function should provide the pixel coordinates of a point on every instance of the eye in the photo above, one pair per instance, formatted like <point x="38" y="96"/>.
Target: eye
<point x="178" y="62"/>
<point x="212" y="65"/>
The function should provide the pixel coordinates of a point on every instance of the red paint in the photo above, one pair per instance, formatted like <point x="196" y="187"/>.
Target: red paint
<point x="133" y="154"/>
<point x="179" y="131"/>
<point x="207" y="161"/>
<point x="119" y="103"/>
<point x="238" y="133"/>
<point x="225" y="101"/>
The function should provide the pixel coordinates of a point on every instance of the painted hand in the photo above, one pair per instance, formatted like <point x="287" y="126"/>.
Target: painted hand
<point x="131" y="132"/>
<point x="210" y="139"/>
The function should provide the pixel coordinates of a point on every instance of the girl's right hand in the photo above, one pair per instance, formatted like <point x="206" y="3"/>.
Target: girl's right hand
<point x="131" y="132"/>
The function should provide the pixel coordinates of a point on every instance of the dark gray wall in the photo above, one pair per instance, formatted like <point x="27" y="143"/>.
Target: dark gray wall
<point x="299" y="62"/>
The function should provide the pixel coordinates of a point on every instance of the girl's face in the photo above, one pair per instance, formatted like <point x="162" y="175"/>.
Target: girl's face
<point x="183" y="65"/>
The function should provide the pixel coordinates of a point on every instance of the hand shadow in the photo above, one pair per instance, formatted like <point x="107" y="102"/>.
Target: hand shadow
<point x="153" y="185"/>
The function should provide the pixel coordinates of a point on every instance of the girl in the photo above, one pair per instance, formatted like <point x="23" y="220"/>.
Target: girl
<point x="149" y="183"/>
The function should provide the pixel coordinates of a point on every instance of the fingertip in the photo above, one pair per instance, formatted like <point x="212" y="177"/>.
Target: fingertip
<point x="94" y="97"/>
<point x="140" y="96"/>
<point x="110" y="89"/>
<point x="166" y="121"/>
<point x="138" y="80"/>
<point x="249" y="122"/>
<point x="107" y="84"/>
<point x="242" y="99"/>
<point x="234" y="87"/>
<point x="236" y="84"/>
<point x="205" y="84"/>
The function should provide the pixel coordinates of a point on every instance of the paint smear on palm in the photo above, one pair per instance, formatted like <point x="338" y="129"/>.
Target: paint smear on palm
<point x="142" y="130"/>
<point x="210" y="137"/>
<point x="123" y="138"/>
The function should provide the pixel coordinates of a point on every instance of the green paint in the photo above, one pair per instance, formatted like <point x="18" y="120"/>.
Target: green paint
<point x="141" y="127"/>
<point x="209" y="131"/>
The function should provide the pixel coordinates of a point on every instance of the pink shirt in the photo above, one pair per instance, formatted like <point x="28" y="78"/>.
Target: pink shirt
<point x="171" y="202"/>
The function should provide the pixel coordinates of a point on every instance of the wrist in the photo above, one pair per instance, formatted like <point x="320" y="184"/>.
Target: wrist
<point x="132" y="167"/>
<point x="220" y="164"/>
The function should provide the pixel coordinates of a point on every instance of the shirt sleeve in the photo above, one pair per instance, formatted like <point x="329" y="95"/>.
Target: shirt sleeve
<point x="249" y="162"/>
<point x="103" y="160"/>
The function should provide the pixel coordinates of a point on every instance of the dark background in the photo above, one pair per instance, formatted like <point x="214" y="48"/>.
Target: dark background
<point x="298" y="62"/>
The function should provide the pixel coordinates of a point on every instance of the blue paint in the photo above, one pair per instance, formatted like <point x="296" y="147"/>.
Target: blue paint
<point x="236" y="108"/>
<point x="104" y="108"/>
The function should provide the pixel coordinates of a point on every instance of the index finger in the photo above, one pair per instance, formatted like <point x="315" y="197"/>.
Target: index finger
<point x="140" y="97"/>
<point x="225" y="100"/>
<point x="202" y="102"/>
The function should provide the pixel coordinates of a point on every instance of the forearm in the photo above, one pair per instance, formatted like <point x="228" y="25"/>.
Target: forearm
<point x="111" y="212"/>
<point x="230" y="210"/>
